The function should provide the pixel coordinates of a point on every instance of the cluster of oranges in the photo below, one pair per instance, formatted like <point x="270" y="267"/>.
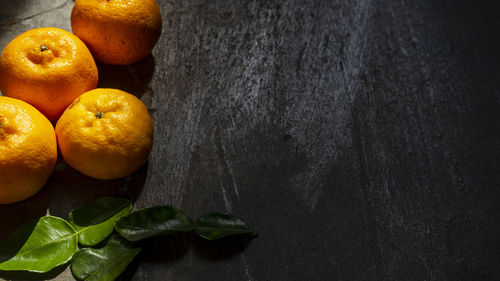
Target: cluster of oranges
<point x="48" y="76"/>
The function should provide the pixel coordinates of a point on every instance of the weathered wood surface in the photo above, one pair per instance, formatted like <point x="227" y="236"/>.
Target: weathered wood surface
<point x="360" y="138"/>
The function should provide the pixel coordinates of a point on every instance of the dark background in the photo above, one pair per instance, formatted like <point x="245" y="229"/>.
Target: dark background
<point x="360" y="138"/>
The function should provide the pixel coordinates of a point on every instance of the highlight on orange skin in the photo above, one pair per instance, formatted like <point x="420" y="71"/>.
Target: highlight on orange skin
<point x="105" y="134"/>
<point x="28" y="150"/>
<point x="48" y="68"/>
<point x="117" y="32"/>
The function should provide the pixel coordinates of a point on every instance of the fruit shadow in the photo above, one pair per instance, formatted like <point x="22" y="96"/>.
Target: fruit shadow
<point x="133" y="79"/>
<point x="65" y="190"/>
<point x="68" y="188"/>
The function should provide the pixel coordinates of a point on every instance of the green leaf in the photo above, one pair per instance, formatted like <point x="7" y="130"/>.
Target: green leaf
<point x="95" y="221"/>
<point x="217" y="225"/>
<point x="39" y="245"/>
<point x="104" y="264"/>
<point x="153" y="221"/>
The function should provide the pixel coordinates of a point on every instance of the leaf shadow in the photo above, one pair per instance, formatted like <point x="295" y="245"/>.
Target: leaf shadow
<point x="14" y="242"/>
<point x="221" y="249"/>
<point x="161" y="249"/>
<point x="166" y="248"/>
<point x="27" y="276"/>
<point x="13" y="215"/>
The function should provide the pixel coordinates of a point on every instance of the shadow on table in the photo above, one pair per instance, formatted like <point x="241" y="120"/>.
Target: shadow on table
<point x="68" y="188"/>
<point x="65" y="190"/>
<point x="221" y="249"/>
<point x="164" y="249"/>
<point x="133" y="78"/>
<point x="173" y="247"/>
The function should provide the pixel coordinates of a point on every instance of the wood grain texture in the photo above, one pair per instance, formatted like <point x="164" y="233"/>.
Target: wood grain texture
<point x="359" y="138"/>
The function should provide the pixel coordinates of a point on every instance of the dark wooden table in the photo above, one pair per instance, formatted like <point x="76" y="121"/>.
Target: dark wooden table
<point x="359" y="138"/>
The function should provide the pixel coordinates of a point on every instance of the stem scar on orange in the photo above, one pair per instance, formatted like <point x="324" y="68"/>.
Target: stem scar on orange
<point x="117" y="31"/>
<point x="28" y="150"/>
<point x="48" y="68"/>
<point x="105" y="134"/>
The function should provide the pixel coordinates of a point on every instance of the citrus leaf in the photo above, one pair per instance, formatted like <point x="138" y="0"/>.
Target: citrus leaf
<point x="95" y="221"/>
<point x="103" y="264"/>
<point x="217" y="225"/>
<point x="153" y="221"/>
<point x="98" y="210"/>
<point x="39" y="245"/>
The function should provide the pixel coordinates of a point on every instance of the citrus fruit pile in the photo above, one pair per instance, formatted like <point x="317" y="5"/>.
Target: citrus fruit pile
<point x="49" y="75"/>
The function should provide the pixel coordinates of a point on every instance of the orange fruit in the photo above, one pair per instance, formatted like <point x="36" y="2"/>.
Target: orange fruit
<point x="117" y="31"/>
<point x="48" y="68"/>
<point x="105" y="134"/>
<point x="28" y="150"/>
